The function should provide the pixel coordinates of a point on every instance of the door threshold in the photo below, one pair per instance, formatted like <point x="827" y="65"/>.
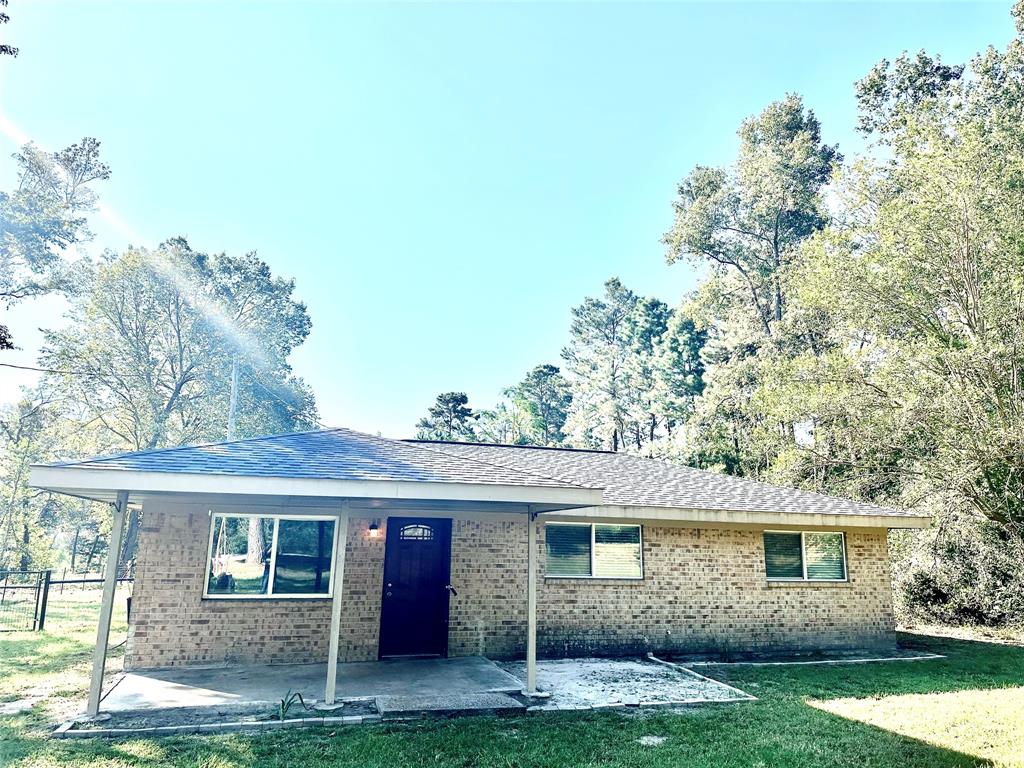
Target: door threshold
<point x="411" y="656"/>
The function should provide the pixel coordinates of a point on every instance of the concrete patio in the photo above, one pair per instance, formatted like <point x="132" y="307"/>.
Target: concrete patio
<point x="251" y="684"/>
<point x="249" y="698"/>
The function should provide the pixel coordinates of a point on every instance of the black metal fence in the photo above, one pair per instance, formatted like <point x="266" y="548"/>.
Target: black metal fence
<point x="23" y="596"/>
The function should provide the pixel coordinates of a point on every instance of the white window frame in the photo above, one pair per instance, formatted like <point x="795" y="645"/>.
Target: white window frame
<point x="270" y="595"/>
<point x="803" y="560"/>
<point x="593" y="554"/>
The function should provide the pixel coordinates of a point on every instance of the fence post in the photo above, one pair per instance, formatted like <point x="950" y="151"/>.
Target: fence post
<point x="42" y="603"/>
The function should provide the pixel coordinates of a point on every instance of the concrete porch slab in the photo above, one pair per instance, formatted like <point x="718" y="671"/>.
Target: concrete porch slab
<point x="225" y="686"/>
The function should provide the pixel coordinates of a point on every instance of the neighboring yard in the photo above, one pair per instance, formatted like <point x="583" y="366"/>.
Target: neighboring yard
<point x="962" y="711"/>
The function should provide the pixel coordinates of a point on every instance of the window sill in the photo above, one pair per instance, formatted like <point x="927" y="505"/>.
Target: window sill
<point x="806" y="583"/>
<point x="262" y="598"/>
<point x="598" y="579"/>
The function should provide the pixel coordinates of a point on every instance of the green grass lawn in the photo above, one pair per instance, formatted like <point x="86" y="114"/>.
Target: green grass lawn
<point x="965" y="710"/>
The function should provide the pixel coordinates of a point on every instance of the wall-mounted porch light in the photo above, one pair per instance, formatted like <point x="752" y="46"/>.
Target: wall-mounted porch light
<point x="374" y="529"/>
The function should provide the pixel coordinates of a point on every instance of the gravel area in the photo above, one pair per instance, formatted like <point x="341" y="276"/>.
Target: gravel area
<point x="595" y="683"/>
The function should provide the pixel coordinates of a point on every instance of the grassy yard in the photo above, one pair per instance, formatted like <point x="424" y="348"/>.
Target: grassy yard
<point x="965" y="710"/>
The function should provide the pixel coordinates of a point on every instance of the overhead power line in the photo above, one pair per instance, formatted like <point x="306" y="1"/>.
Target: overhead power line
<point x="48" y="370"/>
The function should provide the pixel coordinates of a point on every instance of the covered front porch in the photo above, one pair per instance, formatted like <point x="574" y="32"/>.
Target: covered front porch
<point x="190" y="614"/>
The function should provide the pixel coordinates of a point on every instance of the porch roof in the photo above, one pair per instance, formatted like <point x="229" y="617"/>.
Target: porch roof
<point x="334" y="463"/>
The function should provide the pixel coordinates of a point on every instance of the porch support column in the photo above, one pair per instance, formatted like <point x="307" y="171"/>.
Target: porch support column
<point x="99" y="657"/>
<point x="338" y="583"/>
<point x="531" y="603"/>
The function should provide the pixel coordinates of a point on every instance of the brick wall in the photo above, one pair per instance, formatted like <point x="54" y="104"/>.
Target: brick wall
<point x="172" y="625"/>
<point x="703" y="589"/>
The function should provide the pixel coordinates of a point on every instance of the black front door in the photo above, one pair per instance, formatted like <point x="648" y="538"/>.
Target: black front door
<point x="414" y="607"/>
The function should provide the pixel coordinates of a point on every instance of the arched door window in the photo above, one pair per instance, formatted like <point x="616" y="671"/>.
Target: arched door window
<point x="416" y="533"/>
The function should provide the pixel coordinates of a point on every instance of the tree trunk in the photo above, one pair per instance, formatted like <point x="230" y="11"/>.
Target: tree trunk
<point x="25" y="539"/>
<point x="255" y="545"/>
<point x="74" y="547"/>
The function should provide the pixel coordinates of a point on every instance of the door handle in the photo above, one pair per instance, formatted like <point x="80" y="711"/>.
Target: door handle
<point x="451" y="589"/>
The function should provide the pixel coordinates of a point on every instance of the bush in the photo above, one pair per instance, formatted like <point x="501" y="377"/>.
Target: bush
<point x="962" y="571"/>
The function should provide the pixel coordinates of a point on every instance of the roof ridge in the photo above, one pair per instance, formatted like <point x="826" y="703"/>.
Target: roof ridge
<point x="419" y="445"/>
<point x="508" y="445"/>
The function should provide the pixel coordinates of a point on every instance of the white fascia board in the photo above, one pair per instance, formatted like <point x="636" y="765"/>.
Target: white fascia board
<point x="80" y="481"/>
<point x="719" y="517"/>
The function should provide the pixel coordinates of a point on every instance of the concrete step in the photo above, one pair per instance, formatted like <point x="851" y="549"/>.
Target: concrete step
<point x="443" y="705"/>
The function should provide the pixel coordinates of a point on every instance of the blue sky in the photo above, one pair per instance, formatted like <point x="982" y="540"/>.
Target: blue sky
<point x="443" y="181"/>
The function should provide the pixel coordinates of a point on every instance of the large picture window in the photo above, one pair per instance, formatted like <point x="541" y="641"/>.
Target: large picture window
<point x="593" y="551"/>
<point x="269" y="556"/>
<point x="804" y="556"/>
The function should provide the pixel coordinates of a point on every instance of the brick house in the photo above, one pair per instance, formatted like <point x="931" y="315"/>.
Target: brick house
<point x="343" y="546"/>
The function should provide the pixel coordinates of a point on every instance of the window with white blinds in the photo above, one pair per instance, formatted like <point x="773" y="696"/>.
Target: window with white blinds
<point x="601" y="551"/>
<point x="804" y="556"/>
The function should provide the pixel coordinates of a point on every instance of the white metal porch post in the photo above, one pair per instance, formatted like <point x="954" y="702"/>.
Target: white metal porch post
<point x="531" y="602"/>
<point x="99" y="657"/>
<point x="338" y="579"/>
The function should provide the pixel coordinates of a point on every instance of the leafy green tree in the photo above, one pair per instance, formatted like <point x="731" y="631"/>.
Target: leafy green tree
<point x="45" y="217"/>
<point x="146" y="360"/>
<point x="507" y="423"/>
<point x="152" y="337"/>
<point x="926" y="270"/>
<point x="596" y="357"/>
<point x="678" y="369"/>
<point x="647" y="324"/>
<point x="613" y="363"/>
<point x="32" y="431"/>
<point x="746" y="222"/>
<point x="914" y="394"/>
<point x="545" y="396"/>
<point x="449" y="418"/>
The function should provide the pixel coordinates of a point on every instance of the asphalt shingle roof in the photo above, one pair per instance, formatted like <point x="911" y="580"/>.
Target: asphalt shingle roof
<point x="636" y="481"/>
<point x="344" y="454"/>
<point x="334" y="454"/>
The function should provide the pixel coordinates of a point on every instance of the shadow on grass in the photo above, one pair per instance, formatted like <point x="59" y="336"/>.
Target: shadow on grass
<point x="781" y="730"/>
<point x="781" y="735"/>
